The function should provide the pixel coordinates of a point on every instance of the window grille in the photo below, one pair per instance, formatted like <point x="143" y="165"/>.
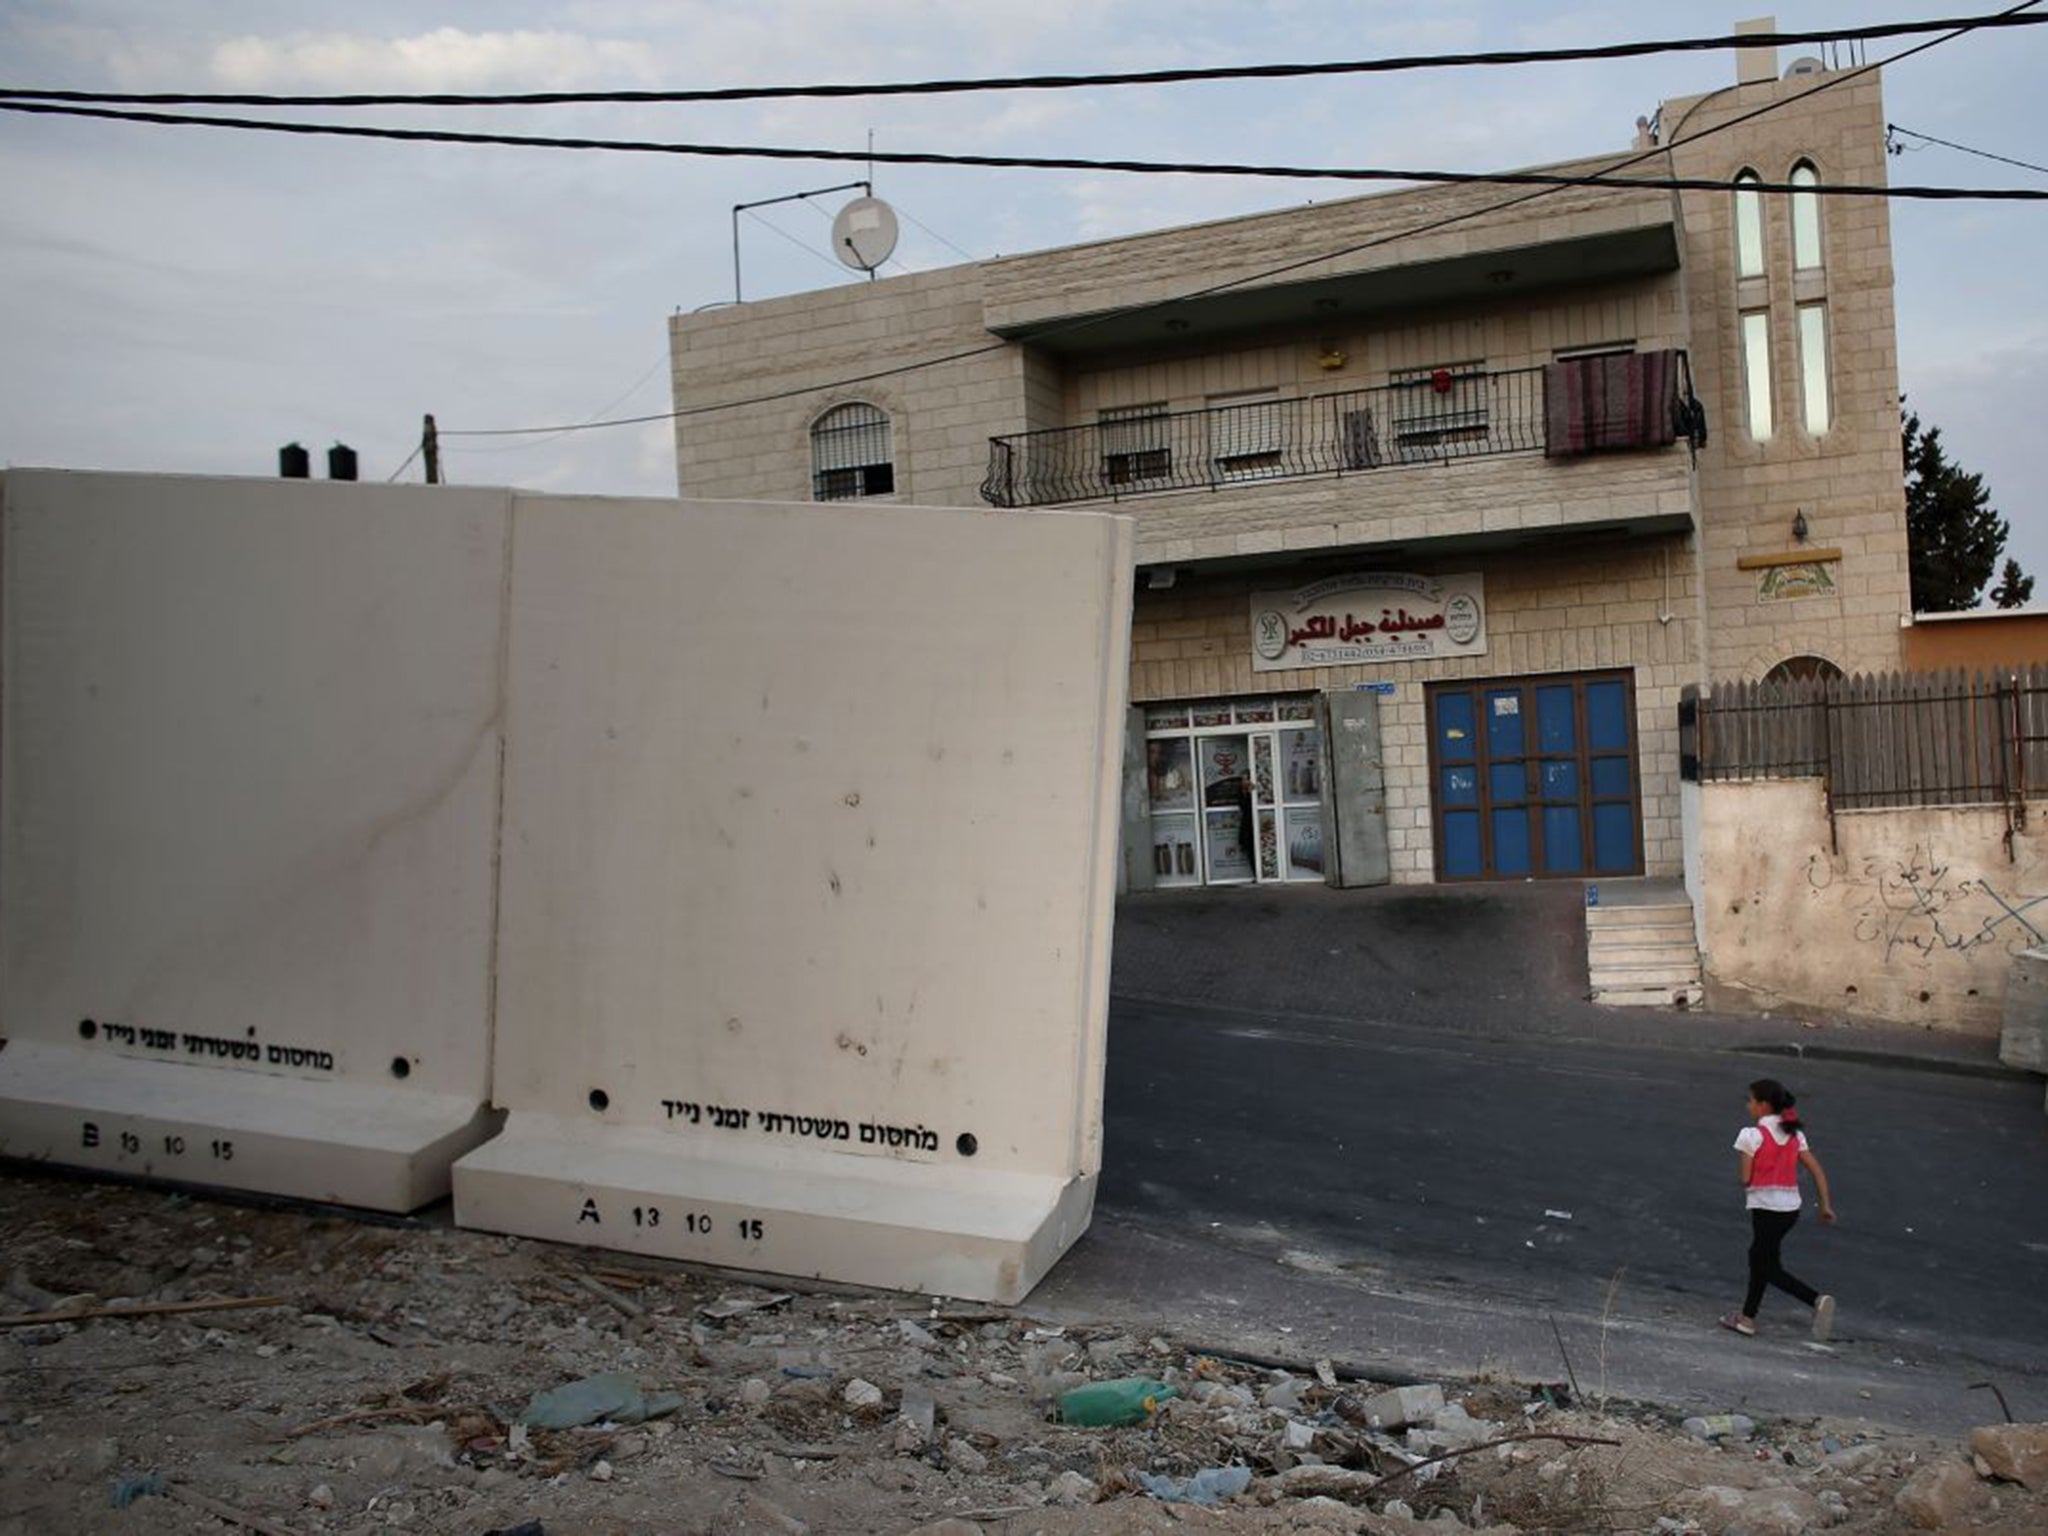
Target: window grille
<point x="1246" y="435"/>
<point x="1135" y="446"/>
<point x="1440" y="411"/>
<point x="850" y="453"/>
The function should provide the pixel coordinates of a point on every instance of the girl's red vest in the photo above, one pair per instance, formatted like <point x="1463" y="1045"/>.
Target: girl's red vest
<point x="1775" y="1166"/>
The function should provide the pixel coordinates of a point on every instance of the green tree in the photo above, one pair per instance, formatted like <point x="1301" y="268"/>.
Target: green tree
<point x="1953" y="534"/>
<point x="2013" y="589"/>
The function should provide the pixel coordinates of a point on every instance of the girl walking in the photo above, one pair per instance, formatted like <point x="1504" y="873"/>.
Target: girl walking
<point x="1772" y="1152"/>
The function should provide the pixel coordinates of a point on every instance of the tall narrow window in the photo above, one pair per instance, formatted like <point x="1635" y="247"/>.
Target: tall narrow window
<point x="1135" y="445"/>
<point x="1246" y="434"/>
<point x="1440" y="412"/>
<point x="1813" y="365"/>
<point x="850" y="454"/>
<point x="1805" y="217"/>
<point x="1749" y="225"/>
<point x="1756" y="371"/>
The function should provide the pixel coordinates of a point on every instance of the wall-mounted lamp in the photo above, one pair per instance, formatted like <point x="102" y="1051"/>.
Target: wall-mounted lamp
<point x="1160" y="577"/>
<point x="1799" y="527"/>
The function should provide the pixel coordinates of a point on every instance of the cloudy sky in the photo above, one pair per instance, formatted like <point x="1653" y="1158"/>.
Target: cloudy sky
<point x="188" y="299"/>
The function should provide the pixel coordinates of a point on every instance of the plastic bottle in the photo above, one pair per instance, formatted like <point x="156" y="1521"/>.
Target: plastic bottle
<point x="1101" y="1404"/>
<point x="1720" y="1426"/>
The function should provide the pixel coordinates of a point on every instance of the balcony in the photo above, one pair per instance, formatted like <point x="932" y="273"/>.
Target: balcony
<point x="1567" y="409"/>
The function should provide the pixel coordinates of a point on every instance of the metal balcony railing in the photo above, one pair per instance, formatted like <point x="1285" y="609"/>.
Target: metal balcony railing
<point x="1440" y="415"/>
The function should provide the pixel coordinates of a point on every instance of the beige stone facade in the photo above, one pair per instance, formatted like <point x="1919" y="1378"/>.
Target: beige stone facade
<point x="1662" y="565"/>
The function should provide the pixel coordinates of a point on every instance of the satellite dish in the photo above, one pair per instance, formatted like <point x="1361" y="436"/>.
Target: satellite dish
<point x="864" y="233"/>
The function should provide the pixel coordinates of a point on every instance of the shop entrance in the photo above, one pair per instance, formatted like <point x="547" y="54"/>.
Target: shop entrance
<point x="1535" y="777"/>
<point x="1235" y="791"/>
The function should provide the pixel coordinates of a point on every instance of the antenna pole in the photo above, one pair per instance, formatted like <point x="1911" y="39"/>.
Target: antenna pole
<point x="793" y="197"/>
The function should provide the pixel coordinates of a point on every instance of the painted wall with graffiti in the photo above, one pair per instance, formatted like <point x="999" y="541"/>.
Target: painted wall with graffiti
<point x="1910" y="915"/>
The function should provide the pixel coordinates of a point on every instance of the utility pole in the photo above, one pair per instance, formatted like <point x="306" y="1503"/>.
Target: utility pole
<point x="430" y="447"/>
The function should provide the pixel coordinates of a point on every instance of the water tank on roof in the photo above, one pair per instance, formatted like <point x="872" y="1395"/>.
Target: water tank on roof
<point x="341" y="462"/>
<point x="294" y="463"/>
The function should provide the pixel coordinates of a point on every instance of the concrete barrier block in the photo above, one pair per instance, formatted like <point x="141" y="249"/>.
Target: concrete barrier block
<point x="808" y="861"/>
<point x="2023" y="1039"/>
<point x="249" y="762"/>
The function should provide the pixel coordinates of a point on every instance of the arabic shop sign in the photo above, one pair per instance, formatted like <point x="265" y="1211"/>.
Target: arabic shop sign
<point x="1371" y="617"/>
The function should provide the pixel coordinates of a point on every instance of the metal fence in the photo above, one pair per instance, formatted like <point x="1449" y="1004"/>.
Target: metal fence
<point x="1442" y="415"/>
<point x="1886" y="739"/>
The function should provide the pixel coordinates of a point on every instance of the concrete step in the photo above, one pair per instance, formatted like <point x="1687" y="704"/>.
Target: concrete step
<point x="1667" y="916"/>
<point x="1643" y="955"/>
<point x="1650" y="997"/>
<point x="1637" y="956"/>
<point x="1675" y="978"/>
<point x="1639" y="960"/>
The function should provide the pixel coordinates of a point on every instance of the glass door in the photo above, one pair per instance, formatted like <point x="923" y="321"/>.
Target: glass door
<point x="1227" y="808"/>
<point x="1235" y="791"/>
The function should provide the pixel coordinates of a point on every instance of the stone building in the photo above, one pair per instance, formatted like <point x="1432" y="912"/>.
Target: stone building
<point x="1442" y="495"/>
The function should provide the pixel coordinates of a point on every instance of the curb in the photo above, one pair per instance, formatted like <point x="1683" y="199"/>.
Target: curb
<point x="1953" y="1066"/>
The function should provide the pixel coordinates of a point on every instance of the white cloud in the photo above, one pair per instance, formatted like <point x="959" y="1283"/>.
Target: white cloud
<point x="446" y="59"/>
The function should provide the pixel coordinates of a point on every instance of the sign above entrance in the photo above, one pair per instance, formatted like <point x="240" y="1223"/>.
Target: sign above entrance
<point x="1370" y="617"/>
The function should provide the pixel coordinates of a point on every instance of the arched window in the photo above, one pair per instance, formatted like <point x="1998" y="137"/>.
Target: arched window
<point x="1805" y="217"/>
<point x="850" y="454"/>
<point x="1803" y="669"/>
<point x="1749" y="224"/>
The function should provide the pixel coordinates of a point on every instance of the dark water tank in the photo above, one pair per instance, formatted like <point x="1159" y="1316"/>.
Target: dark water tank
<point x="294" y="463"/>
<point x="341" y="462"/>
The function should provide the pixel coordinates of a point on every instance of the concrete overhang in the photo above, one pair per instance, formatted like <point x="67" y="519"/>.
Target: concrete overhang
<point x="1642" y="250"/>
<point x="1317" y="560"/>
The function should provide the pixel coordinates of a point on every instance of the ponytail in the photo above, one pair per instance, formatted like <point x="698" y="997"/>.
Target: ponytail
<point x="1768" y="1090"/>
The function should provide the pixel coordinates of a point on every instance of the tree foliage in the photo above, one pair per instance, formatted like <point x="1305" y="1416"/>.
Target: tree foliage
<point x="1953" y="534"/>
<point x="2013" y="589"/>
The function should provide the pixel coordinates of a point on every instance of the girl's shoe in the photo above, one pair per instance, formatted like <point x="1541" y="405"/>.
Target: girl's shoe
<point x="1824" y="1319"/>
<point x="1735" y="1322"/>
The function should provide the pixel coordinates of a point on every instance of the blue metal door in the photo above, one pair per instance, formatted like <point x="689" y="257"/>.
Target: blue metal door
<point x="1535" y="778"/>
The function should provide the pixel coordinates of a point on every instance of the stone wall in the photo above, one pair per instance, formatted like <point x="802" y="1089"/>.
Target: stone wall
<point x="1846" y="481"/>
<point x="1915" y="920"/>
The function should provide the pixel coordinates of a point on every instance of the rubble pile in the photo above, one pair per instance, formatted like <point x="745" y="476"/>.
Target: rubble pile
<point x="178" y="1365"/>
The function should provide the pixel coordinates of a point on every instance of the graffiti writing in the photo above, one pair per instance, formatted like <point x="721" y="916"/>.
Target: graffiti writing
<point x="1919" y="907"/>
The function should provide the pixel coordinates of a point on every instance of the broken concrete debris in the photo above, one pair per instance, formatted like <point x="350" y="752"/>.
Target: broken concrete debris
<point x="421" y="1380"/>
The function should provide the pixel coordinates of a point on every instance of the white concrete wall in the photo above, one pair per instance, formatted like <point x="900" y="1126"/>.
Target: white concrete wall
<point x="780" y="839"/>
<point x="1916" y="920"/>
<point x="250" y="789"/>
<point x="809" y="844"/>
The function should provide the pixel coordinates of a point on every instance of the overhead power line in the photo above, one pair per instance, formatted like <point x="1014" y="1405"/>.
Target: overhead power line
<point x="1825" y="83"/>
<point x="1928" y="138"/>
<point x="1031" y="162"/>
<point x="1496" y="57"/>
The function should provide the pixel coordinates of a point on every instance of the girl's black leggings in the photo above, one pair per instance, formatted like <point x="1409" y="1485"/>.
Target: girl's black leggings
<point x="1767" y="1235"/>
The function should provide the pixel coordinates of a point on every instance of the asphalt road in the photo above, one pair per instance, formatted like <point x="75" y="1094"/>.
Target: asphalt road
<point x="1421" y="1201"/>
